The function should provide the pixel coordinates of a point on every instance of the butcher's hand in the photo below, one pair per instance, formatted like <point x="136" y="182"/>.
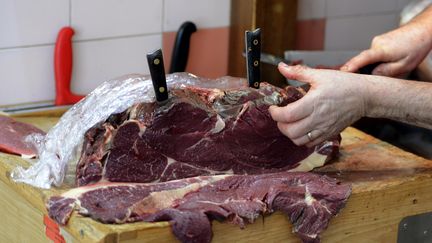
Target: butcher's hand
<point x="335" y="100"/>
<point x="400" y="51"/>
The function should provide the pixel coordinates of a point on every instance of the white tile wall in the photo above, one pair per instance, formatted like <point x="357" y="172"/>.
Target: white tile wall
<point x="402" y="3"/>
<point x="99" y="61"/>
<point x="204" y="13"/>
<point x="356" y="33"/>
<point x="359" y="7"/>
<point x="26" y="22"/>
<point x="111" y="39"/>
<point x="351" y="24"/>
<point x="26" y="74"/>
<point x="108" y="18"/>
<point x="311" y="9"/>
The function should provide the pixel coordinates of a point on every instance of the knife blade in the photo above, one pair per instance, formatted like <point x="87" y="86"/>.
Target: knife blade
<point x="157" y="72"/>
<point x="270" y="59"/>
<point x="253" y="56"/>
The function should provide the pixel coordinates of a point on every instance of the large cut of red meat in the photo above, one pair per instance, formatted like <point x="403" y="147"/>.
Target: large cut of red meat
<point x="12" y="137"/>
<point x="198" y="131"/>
<point x="309" y="201"/>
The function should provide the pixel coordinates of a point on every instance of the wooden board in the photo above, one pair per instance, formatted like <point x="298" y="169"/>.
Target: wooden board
<point x="388" y="184"/>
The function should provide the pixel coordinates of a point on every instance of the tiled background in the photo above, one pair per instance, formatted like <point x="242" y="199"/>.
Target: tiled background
<point x="112" y="37"/>
<point x="344" y="24"/>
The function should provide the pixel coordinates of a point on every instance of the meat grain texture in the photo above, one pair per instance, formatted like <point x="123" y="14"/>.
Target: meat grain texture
<point x="13" y="137"/>
<point x="199" y="131"/>
<point x="309" y="201"/>
<point x="205" y="154"/>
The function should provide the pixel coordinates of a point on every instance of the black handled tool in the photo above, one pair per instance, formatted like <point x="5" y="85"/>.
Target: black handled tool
<point x="253" y="56"/>
<point x="181" y="47"/>
<point x="368" y="69"/>
<point x="157" y="72"/>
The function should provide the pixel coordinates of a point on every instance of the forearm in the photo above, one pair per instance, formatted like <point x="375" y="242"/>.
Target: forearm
<point x="424" y="18"/>
<point x="401" y="100"/>
<point x="420" y="27"/>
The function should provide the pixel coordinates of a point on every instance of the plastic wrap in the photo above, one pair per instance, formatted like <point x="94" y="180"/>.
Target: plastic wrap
<point x="59" y="149"/>
<point x="413" y="9"/>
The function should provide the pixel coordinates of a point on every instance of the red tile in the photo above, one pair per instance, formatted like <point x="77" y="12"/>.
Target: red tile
<point x="208" y="54"/>
<point x="310" y="34"/>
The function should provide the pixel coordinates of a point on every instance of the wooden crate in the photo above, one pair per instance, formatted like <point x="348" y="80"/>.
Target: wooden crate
<point x="388" y="184"/>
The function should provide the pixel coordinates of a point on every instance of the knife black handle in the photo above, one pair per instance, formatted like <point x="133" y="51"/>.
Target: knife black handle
<point x="253" y="57"/>
<point x="157" y="72"/>
<point x="368" y="69"/>
<point x="180" y="52"/>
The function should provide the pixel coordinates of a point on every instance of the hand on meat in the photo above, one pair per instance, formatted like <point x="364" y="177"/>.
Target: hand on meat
<point x="337" y="99"/>
<point x="400" y="50"/>
<point x="334" y="101"/>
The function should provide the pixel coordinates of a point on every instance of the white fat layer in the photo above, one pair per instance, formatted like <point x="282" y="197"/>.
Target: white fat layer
<point x="244" y="108"/>
<point x="78" y="191"/>
<point x="313" y="236"/>
<point x="215" y="94"/>
<point x="309" y="199"/>
<point x="312" y="161"/>
<point x="170" y="161"/>
<point x="201" y="141"/>
<point x="211" y="172"/>
<point x="142" y="128"/>
<point x="28" y="156"/>
<point x="165" y="199"/>
<point x="219" y="125"/>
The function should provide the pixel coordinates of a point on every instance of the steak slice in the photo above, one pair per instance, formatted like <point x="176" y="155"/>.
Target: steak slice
<point x="12" y="137"/>
<point x="198" y="131"/>
<point x="309" y="200"/>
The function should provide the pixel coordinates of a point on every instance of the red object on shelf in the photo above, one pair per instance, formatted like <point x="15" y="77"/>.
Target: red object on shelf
<point x="63" y="68"/>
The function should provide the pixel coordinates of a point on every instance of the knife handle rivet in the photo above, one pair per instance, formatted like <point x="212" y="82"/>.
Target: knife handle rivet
<point x="256" y="63"/>
<point x="249" y="49"/>
<point x="161" y="89"/>
<point x="156" y="61"/>
<point x="255" y="42"/>
<point x="256" y="84"/>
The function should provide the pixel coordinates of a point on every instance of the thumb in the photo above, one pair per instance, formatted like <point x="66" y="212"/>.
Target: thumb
<point x="297" y="72"/>
<point x="391" y="69"/>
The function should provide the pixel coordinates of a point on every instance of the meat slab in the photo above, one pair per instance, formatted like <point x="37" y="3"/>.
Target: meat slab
<point x="198" y="131"/>
<point x="12" y="137"/>
<point x="309" y="200"/>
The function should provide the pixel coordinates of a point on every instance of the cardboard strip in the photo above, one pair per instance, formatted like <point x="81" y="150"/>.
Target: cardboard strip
<point x="52" y="230"/>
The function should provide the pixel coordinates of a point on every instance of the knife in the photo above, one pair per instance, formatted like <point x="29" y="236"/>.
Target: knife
<point x="253" y="56"/>
<point x="157" y="72"/>
<point x="180" y="52"/>
<point x="275" y="60"/>
<point x="368" y="69"/>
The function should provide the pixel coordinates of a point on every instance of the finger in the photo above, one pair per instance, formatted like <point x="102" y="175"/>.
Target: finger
<point x="391" y="69"/>
<point x="283" y="128"/>
<point x="364" y="58"/>
<point x="297" y="129"/>
<point x="297" y="72"/>
<point x="316" y="141"/>
<point x="293" y="111"/>
<point x="305" y="140"/>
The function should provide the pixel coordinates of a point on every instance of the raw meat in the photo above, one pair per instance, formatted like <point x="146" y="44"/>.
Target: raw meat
<point x="198" y="131"/>
<point x="309" y="200"/>
<point x="12" y="137"/>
